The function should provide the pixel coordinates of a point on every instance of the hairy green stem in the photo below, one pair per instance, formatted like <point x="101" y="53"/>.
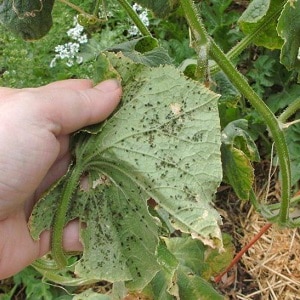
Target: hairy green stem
<point x="135" y="18"/>
<point x="201" y="42"/>
<point x="290" y="110"/>
<point x="57" y="251"/>
<point x="242" y="85"/>
<point x="276" y="131"/>
<point x="63" y="280"/>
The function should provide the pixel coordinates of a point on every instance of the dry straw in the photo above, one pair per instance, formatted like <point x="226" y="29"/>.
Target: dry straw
<point x="273" y="261"/>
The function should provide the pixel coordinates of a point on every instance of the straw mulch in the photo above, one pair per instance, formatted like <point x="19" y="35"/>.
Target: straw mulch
<point x="273" y="261"/>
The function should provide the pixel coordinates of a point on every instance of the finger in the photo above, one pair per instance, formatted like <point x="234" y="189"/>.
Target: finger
<point x="18" y="249"/>
<point x="58" y="169"/>
<point x="5" y="92"/>
<point x="75" y="84"/>
<point x="71" y="239"/>
<point x="67" y="110"/>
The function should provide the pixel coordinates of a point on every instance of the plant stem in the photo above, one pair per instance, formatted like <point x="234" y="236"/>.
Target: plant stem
<point x="96" y="8"/>
<point x="290" y="110"/>
<point x="276" y="131"/>
<point x="70" y="185"/>
<point x="63" y="280"/>
<point x="135" y="18"/>
<point x="242" y="85"/>
<point x="201" y="43"/>
<point x="75" y="7"/>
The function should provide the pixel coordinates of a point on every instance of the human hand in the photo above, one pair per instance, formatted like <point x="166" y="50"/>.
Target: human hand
<point x="35" y="124"/>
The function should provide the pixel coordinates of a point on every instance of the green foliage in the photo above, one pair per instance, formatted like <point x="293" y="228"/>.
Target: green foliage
<point x="262" y="73"/>
<point x="289" y="30"/>
<point x="35" y="288"/>
<point x="219" y="20"/>
<point x="17" y="55"/>
<point x="278" y="103"/>
<point x="188" y="264"/>
<point x="263" y="13"/>
<point x="144" y="50"/>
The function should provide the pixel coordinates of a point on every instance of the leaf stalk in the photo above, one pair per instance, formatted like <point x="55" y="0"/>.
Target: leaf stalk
<point x="290" y="110"/>
<point x="243" y="86"/>
<point x="71" y="183"/>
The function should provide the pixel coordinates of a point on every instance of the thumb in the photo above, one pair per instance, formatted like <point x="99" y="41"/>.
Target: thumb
<point x="68" y="108"/>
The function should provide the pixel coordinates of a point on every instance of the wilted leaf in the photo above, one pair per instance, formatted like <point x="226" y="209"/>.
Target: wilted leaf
<point x="162" y="143"/>
<point x="238" y="150"/>
<point x="164" y="286"/>
<point x="238" y="171"/>
<point x="217" y="262"/>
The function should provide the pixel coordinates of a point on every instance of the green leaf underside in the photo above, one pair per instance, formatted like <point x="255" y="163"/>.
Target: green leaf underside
<point x="144" y="50"/>
<point x="163" y="143"/>
<point x="289" y="29"/>
<point x="256" y="14"/>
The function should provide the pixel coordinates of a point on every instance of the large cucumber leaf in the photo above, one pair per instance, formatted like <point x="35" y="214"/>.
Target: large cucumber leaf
<point x="289" y="30"/>
<point x="162" y="143"/>
<point x="29" y="19"/>
<point x="260" y="18"/>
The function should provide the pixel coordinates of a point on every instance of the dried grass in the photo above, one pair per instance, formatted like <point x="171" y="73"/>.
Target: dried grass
<point x="273" y="261"/>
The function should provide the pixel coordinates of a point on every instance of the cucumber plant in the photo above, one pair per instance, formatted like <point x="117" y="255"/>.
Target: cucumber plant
<point x="153" y="167"/>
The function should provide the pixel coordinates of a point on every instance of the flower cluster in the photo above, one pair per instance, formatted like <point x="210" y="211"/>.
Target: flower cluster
<point x="70" y="50"/>
<point x="143" y="15"/>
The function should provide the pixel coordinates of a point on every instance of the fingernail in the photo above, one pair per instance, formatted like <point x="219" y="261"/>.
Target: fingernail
<point x="109" y="85"/>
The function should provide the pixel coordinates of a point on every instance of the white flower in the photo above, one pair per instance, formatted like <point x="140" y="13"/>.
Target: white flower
<point x="70" y="50"/>
<point x="75" y="32"/>
<point x="133" y="30"/>
<point x="143" y="15"/>
<point x="136" y="7"/>
<point x="82" y="39"/>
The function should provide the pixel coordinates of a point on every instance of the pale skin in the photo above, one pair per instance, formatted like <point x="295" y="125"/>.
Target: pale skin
<point x="35" y="125"/>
